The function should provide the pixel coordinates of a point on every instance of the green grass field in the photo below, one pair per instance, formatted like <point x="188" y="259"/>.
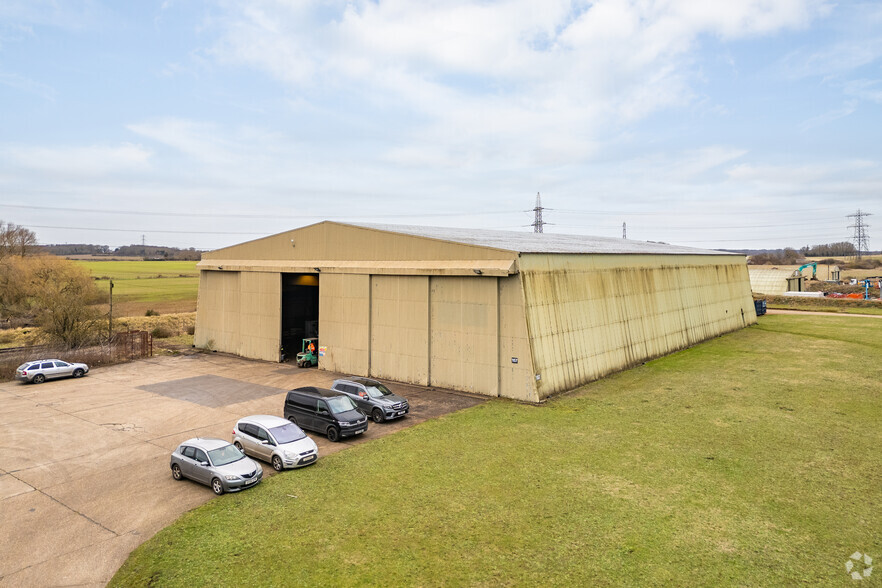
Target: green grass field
<point x="169" y="286"/>
<point x="751" y="459"/>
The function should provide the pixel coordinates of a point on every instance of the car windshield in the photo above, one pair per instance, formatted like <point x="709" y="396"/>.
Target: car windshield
<point x="287" y="433"/>
<point x="224" y="455"/>
<point x="378" y="391"/>
<point x="340" y="404"/>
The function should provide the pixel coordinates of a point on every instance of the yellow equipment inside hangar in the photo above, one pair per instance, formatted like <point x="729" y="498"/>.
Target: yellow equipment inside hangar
<point x="501" y="313"/>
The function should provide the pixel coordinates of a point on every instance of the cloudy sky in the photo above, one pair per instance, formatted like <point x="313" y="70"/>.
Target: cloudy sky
<point x="736" y="124"/>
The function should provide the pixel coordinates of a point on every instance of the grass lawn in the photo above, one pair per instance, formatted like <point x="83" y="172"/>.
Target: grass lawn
<point x="752" y="459"/>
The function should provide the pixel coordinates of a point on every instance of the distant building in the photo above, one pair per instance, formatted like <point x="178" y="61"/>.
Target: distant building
<point x="519" y="315"/>
<point x="774" y="281"/>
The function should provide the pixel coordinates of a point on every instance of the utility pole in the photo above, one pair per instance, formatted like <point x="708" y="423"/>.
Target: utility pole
<point x="538" y="223"/>
<point x="860" y="239"/>
<point x="143" y="240"/>
<point x="110" y="316"/>
<point x="624" y="230"/>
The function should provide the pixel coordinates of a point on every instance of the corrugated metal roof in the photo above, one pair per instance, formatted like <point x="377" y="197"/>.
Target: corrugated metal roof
<point x="523" y="242"/>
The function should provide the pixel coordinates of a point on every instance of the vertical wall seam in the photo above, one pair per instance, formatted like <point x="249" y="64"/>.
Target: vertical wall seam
<point x="370" y="321"/>
<point x="429" y="331"/>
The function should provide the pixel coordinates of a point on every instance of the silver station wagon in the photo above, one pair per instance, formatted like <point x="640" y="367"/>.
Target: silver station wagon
<point x="216" y="463"/>
<point x="40" y="370"/>
<point x="276" y="440"/>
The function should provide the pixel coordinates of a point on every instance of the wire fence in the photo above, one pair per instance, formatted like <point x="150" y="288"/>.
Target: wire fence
<point x="124" y="346"/>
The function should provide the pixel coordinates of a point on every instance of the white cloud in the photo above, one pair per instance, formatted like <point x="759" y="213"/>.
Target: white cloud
<point x="28" y="85"/>
<point x="561" y="73"/>
<point x="76" y="161"/>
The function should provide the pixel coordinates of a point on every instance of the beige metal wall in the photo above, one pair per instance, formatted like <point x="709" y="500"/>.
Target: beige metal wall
<point x="464" y="334"/>
<point x="239" y="312"/>
<point x="516" y="376"/>
<point x="590" y="315"/>
<point x="344" y="322"/>
<point x="443" y="331"/>
<point x="400" y="328"/>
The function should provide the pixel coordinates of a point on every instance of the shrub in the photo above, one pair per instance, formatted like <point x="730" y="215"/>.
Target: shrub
<point x="151" y="312"/>
<point x="161" y="332"/>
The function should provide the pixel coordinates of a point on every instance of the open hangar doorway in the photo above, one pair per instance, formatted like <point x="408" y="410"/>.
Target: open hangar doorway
<point x="300" y="311"/>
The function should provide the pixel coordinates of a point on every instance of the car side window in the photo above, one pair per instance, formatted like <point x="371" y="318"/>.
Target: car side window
<point x="200" y="455"/>
<point x="262" y="435"/>
<point x="33" y="366"/>
<point x="304" y="402"/>
<point x="322" y="406"/>
<point x="188" y="452"/>
<point x="46" y="366"/>
<point x="248" y="429"/>
<point x="61" y="364"/>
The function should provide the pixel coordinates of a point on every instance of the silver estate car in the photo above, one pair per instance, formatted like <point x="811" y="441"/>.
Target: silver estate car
<point x="40" y="370"/>
<point x="276" y="440"/>
<point x="216" y="463"/>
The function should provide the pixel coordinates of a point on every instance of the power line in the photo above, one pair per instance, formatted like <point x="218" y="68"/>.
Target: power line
<point x="716" y="227"/>
<point x="166" y="214"/>
<point x="688" y="213"/>
<point x="146" y="231"/>
<point x="256" y="216"/>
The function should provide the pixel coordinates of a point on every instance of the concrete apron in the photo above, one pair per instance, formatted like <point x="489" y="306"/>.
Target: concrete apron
<point x="84" y="475"/>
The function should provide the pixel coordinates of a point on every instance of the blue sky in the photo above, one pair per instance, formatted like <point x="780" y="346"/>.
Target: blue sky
<point x="740" y="124"/>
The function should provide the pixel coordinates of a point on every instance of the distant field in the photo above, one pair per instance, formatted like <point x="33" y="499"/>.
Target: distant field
<point x="164" y="286"/>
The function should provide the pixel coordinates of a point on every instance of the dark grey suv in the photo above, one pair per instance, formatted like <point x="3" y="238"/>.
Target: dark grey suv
<point x="373" y="398"/>
<point x="327" y="412"/>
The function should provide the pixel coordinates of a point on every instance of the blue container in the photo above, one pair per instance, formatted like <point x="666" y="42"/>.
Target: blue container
<point x="760" y="306"/>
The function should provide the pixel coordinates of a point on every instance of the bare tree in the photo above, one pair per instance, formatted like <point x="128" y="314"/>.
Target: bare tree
<point x="16" y="240"/>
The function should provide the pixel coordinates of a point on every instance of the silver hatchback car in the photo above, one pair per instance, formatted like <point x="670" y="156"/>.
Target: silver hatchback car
<point x="40" y="370"/>
<point x="276" y="440"/>
<point x="215" y="463"/>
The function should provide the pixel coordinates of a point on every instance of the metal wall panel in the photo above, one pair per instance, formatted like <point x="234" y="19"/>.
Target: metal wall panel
<point x="260" y="300"/>
<point x="590" y="315"/>
<point x="239" y="312"/>
<point x="217" y="306"/>
<point x="400" y="328"/>
<point x="516" y="380"/>
<point x="464" y="319"/>
<point x="344" y="322"/>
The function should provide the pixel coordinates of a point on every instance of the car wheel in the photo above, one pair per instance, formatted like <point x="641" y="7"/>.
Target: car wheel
<point x="39" y="379"/>
<point x="277" y="463"/>
<point x="333" y="434"/>
<point x="377" y="415"/>
<point x="176" y="473"/>
<point x="291" y="418"/>
<point x="216" y="486"/>
<point x="78" y="373"/>
<point x="239" y="446"/>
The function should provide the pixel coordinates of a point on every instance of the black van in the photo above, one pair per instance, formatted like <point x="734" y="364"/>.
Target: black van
<point x="324" y="411"/>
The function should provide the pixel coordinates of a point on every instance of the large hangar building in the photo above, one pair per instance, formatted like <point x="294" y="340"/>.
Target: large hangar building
<point x="501" y="313"/>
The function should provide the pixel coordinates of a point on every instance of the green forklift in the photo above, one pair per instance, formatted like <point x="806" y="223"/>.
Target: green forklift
<point x="308" y="356"/>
